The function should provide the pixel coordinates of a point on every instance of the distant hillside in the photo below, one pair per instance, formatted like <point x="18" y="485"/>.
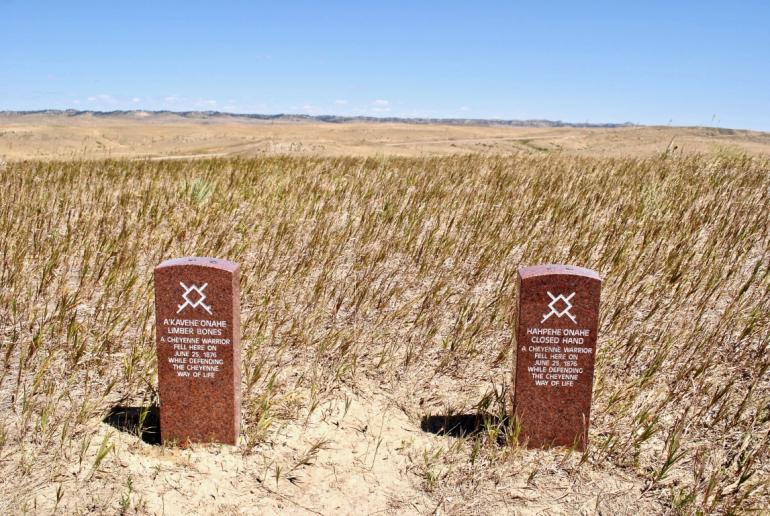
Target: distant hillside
<point x="332" y="119"/>
<point x="60" y="134"/>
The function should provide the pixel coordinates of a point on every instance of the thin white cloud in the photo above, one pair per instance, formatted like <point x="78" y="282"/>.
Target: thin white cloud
<point x="102" y="98"/>
<point x="341" y="102"/>
<point x="379" y="109"/>
<point x="380" y="106"/>
<point x="310" y="109"/>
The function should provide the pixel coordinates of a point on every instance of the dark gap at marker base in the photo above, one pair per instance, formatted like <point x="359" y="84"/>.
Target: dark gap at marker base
<point x="464" y="425"/>
<point x="128" y="419"/>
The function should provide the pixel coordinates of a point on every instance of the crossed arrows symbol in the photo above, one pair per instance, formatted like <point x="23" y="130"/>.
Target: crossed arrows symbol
<point x="196" y="303"/>
<point x="558" y="313"/>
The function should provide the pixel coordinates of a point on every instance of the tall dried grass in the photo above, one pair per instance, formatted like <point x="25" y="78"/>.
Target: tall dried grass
<point x="400" y="273"/>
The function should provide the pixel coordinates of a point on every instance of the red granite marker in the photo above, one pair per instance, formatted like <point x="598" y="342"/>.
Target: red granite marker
<point x="555" y="350"/>
<point x="197" y="311"/>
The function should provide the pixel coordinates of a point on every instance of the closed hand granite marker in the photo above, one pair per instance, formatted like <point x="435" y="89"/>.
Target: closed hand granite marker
<point x="197" y="311"/>
<point x="557" y="322"/>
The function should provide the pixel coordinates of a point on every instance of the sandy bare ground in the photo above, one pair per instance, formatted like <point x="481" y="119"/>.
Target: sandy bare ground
<point x="170" y="136"/>
<point x="360" y="453"/>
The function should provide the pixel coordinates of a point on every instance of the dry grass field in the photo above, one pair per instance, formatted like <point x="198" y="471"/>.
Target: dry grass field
<point x="168" y="135"/>
<point x="377" y="309"/>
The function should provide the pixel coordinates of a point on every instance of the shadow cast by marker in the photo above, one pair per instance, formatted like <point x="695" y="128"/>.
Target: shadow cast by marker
<point x="143" y="422"/>
<point x="465" y="425"/>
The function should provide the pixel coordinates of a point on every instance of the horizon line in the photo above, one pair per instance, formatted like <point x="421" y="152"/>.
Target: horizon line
<point x="511" y="122"/>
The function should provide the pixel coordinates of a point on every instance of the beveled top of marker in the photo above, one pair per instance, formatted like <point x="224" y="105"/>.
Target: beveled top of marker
<point x="557" y="269"/>
<point x="200" y="261"/>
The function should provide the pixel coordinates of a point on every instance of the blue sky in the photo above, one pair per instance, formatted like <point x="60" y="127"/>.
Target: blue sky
<point x="680" y="63"/>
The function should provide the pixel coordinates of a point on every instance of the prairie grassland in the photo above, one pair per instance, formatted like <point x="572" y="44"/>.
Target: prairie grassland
<point x="377" y="306"/>
<point x="170" y="136"/>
